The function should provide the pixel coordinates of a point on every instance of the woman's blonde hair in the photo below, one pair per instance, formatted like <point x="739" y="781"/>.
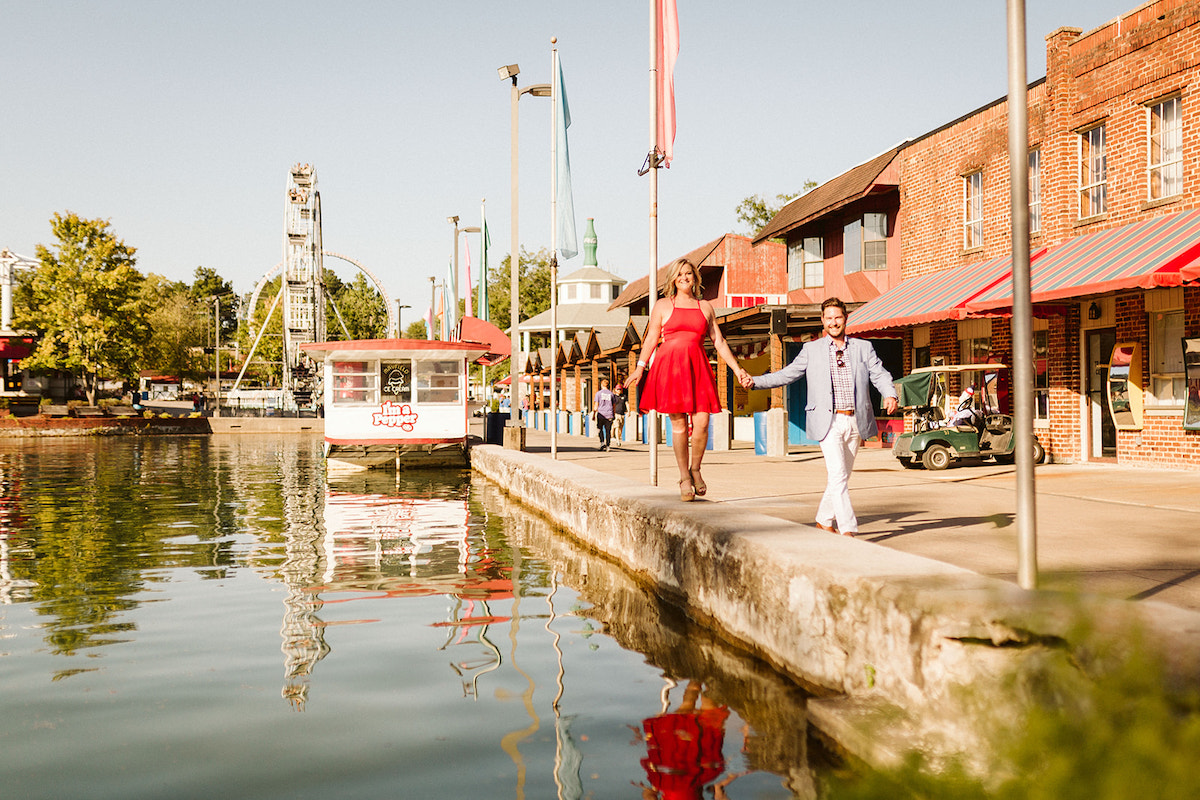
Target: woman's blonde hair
<point x="678" y="266"/>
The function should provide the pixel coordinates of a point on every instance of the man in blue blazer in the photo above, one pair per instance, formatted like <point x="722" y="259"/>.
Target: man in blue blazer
<point x="840" y="371"/>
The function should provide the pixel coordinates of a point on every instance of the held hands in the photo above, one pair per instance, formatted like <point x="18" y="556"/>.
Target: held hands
<point x="745" y="379"/>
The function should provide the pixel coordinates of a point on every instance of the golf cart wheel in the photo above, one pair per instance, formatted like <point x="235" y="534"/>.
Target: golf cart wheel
<point x="936" y="457"/>
<point x="910" y="463"/>
<point x="1039" y="455"/>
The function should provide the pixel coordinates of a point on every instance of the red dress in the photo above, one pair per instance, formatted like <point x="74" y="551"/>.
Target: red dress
<point x="680" y="380"/>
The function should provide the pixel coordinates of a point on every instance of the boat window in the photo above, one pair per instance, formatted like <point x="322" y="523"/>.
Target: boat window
<point x="438" y="381"/>
<point x="396" y="381"/>
<point x="354" y="382"/>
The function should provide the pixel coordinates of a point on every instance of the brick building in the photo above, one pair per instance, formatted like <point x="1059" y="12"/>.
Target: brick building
<point x="1114" y="174"/>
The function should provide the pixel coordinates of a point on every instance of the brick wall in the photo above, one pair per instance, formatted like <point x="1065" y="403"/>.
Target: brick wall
<point x="1108" y="75"/>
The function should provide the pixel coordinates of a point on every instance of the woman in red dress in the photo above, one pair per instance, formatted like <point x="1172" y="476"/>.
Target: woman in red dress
<point x="681" y="383"/>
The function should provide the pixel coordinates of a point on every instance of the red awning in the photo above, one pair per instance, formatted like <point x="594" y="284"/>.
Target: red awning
<point x="1163" y="251"/>
<point x="15" y="349"/>
<point x="940" y="295"/>
<point x="473" y="329"/>
<point x="542" y="380"/>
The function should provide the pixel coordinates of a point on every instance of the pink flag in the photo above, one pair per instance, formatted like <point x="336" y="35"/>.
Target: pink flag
<point x="668" y="51"/>
<point x="467" y="299"/>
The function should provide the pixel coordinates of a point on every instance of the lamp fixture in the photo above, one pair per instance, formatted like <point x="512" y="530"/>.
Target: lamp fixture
<point x="1093" y="311"/>
<point x="510" y="71"/>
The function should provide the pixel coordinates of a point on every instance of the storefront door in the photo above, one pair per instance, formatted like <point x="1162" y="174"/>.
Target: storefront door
<point x="1102" y="434"/>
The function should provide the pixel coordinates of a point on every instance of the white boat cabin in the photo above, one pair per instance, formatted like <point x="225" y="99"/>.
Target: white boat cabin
<point x="395" y="401"/>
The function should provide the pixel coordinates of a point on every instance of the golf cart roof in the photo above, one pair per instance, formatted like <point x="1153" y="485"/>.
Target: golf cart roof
<point x="950" y="368"/>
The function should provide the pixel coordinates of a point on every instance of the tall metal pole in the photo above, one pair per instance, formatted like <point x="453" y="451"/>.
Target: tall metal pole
<point x="217" y="355"/>
<point x="652" y="283"/>
<point x="454" y="273"/>
<point x="554" y="123"/>
<point x="432" y="306"/>
<point x="1022" y="322"/>
<point x="514" y="258"/>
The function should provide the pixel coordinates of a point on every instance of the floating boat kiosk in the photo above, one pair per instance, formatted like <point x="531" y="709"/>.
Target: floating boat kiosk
<point x="400" y="402"/>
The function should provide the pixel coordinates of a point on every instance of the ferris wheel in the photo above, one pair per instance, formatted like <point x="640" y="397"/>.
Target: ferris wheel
<point x="302" y="288"/>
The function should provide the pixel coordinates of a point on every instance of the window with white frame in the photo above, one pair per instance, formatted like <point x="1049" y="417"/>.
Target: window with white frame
<point x="814" y="261"/>
<point x="1041" y="372"/>
<point x="1093" y="173"/>
<point x="864" y="243"/>
<point x="1167" y="383"/>
<point x="1035" y="191"/>
<point x="1165" y="151"/>
<point x="973" y="210"/>
<point x="795" y="264"/>
<point x="354" y="382"/>
<point x="438" y="381"/>
<point x="874" y="241"/>
<point x="852" y="246"/>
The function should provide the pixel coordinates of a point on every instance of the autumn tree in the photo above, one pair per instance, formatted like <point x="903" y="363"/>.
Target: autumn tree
<point x="85" y="301"/>
<point x="178" y="328"/>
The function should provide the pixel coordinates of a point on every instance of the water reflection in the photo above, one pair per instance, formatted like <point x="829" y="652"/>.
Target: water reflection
<point x="387" y="536"/>
<point x="772" y="728"/>
<point x="436" y="636"/>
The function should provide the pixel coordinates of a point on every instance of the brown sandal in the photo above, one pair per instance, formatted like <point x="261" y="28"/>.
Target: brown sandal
<point x="687" y="493"/>
<point x="698" y="482"/>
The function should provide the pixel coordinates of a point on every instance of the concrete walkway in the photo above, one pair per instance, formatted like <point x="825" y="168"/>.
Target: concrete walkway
<point x="1120" y="532"/>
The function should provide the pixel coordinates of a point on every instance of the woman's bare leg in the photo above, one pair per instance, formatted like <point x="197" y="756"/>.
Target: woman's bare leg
<point x="679" y="444"/>
<point x="699" y="442"/>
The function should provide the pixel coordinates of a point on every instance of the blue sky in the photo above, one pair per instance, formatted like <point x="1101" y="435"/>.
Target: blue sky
<point x="178" y="121"/>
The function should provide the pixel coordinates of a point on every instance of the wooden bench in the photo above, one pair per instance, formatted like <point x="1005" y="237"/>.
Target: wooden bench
<point x="89" y="411"/>
<point x="124" y="411"/>
<point x="51" y="410"/>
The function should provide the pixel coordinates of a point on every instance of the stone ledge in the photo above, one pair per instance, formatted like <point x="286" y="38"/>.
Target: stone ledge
<point x="885" y="629"/>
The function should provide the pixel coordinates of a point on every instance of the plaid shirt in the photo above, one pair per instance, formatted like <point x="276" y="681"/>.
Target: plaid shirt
<point x="843" y="378"/>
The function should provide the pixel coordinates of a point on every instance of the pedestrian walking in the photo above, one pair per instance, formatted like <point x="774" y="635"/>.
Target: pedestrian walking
<point x="620" y="407"/>
<point x="602" y="410"/>
<point x="681" y="383"/>
<point x="840" y="371"/>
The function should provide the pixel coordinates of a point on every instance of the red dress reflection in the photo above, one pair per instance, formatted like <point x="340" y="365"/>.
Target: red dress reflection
<point x="684" y="748"/>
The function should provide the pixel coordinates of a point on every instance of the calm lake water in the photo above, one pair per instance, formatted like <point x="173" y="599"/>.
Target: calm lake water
<point x="211" y="617"/>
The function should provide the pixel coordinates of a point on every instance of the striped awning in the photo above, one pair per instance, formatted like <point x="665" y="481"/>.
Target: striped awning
<point x="933" y="297"/>
<point x="1163" y="251"/>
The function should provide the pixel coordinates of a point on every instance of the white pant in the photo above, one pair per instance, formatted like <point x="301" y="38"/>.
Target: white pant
<point x="839" y="447"/>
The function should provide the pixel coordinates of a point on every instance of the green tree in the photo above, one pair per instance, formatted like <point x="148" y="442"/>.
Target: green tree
<point x="85" y="301"/>
<point x="755" y="211"/>
<point x="533" y="274"/>
<point x="415" y="330"/>
<point x="207" y="284"/>
<point x="363" y="310"/>
<point x="267" y="366"/>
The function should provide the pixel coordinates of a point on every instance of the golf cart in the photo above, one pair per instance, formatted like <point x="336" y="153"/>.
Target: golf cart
<point x="945" y="429"/>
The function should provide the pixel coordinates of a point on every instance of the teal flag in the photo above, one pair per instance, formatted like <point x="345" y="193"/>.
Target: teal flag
<point x="565" y="224"/>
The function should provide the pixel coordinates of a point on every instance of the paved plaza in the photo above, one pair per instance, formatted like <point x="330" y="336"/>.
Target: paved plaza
<point x="1117" y="531"/>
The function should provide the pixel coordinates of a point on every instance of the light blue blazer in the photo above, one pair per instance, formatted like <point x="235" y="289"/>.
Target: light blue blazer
<point x="813" y="363"/>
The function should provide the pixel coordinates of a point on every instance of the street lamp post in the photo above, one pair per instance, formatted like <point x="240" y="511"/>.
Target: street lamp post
<point x="510" y="72"/>
<point x="399" y="323"/>
<point x="457" y="230"/>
